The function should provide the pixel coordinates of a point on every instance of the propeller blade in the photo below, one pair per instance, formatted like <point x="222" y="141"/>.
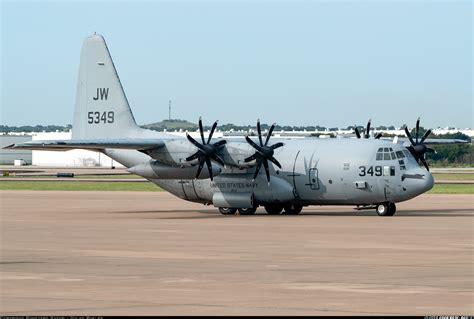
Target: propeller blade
<point x="270" y="133"/>
<point x="201" y="130"/>
<point x="277" y="145"/>
<point x="267" y="170"/>
<point x="259" y="131"/>
<point x="250" y="158"/>
<point x="218" y="159"/>
<point x="257" y="168"/>
<point x="378" y="135"/>
<point x="209" y="167"/>
<point x="192" y="140"/>
<point x="257" y="147"/>
<point x="427" y="133"/>
<point x="193" y="157"/>
<point x="201" y="164"/>
<point x="367" y="131"/>
<point x="407" y="132"/>
<point x="275" y="162"/>
<point x="212" y="132"/>
<point x="424" y="163"/>
<point x="417" y="129"/>
<point x="219" y="143"/>
<point x="431" y="150"/>
<point x="357" y="131"/>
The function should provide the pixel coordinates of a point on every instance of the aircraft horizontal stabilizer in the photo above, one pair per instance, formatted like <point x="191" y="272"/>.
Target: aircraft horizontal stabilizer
<point x="138" y="144"/>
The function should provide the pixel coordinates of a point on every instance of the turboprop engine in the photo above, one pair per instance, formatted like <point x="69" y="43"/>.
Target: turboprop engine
<point x="157" y="170"/>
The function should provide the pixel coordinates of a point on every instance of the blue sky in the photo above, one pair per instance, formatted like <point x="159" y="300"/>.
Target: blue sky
<point x="331" y="63"/>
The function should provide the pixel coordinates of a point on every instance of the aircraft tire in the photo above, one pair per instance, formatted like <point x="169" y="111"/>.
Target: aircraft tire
<point x="292" y="209"/>
<point x="384" y="209"/>
<point x="247" y="211"/>
<point x="273" y="209"/>
<point x="392" y="208"/>
<point x="227" y="210"/>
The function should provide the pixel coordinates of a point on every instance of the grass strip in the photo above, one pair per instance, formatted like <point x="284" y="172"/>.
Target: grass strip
<point x="452" y="189"/>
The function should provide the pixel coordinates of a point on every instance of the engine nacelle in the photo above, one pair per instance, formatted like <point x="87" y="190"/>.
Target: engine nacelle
<point x="157" y="170"/>
<point x="175" y="152"/>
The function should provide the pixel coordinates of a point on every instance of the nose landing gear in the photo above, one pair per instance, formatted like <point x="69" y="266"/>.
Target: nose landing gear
<point x="386" y="209"/>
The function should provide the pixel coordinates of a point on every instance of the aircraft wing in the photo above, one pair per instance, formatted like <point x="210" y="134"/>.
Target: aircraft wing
<point x="139" y="144"/>
<point x="444" y="141"/>
<point x="431" y="141"/>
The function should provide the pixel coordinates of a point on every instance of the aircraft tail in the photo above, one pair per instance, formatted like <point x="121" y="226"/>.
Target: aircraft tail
<point x="101" y="109"/>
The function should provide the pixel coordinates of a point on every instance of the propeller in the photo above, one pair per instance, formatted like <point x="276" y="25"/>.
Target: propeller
<point x="264" y="152"/>
<point x="206" y="151"/>
<point x="417" y="147"/>
<point x="367" y="132"/>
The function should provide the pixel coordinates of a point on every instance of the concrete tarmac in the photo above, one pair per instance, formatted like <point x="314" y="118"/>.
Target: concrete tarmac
<point x="134" y="253"/>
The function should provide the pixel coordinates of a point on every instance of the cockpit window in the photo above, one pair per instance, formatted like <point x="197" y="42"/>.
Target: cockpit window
<point x="400" y="154"/>
<point x="385" y="154"/>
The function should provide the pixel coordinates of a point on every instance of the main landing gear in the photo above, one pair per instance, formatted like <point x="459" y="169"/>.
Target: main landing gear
<point x="242" y="211"/>
<point x="288" y="209"/>
<point x="386" y="209"/>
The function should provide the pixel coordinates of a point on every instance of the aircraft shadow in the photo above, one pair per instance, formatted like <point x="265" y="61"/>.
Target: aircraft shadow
<point x="455" y="212"/>
<point x="212" y="214"/>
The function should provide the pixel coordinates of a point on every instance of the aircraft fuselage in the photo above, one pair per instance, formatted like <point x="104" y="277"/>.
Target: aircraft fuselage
<point x="314" y="171"/>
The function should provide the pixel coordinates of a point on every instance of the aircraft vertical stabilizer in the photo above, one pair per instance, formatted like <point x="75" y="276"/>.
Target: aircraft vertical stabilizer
<point x="102" y="109"/>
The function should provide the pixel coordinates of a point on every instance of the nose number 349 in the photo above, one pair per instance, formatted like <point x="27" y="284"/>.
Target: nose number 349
<point x="377" y="171"/>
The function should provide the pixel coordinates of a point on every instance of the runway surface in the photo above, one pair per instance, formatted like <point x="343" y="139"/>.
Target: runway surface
<point x="124" y="253"/>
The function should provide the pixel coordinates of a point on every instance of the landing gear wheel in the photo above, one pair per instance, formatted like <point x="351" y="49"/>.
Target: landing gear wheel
<point x="227" y="211"/>
<point x="273" y="209"/>
<point x="247" y="211"/>
<point x="392" y="208"/>
<point x="292" y="209"/>
<point x="386" y="209"/>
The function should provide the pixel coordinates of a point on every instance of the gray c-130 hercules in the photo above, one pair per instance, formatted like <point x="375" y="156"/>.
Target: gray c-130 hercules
<point x="242" y="174"/>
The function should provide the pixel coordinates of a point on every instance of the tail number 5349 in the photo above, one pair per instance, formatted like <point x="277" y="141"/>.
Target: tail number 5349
<point x="100" y="117"/>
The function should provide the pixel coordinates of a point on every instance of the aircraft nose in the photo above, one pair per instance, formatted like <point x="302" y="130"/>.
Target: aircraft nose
<point x="418" y="181"/>
<point x="428" y="181"/>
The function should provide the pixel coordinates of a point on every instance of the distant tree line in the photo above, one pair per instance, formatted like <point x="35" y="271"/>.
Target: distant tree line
<point x="37" y="128"/>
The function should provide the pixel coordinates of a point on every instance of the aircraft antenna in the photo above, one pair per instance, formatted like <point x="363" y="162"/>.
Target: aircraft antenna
<point x="169" y="110"/>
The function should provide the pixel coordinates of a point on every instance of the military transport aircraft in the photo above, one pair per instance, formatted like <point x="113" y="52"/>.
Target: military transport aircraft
<point x="241" y="174"/>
